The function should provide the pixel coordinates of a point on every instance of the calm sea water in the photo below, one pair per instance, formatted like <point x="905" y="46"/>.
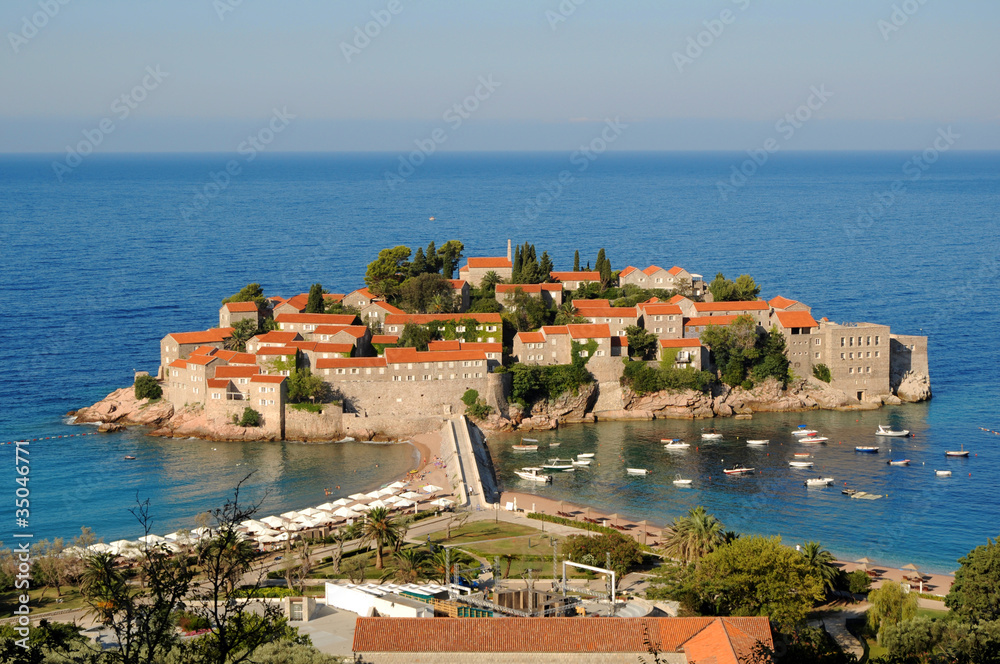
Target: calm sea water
<point x="97" y="268"/>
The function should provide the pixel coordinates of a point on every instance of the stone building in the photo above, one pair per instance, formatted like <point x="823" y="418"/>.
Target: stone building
<point x="686" y="353"/>
<point x="666" y="321"/>
<point x="803" y="346"/>
<point x="618" y="319"/>
<point x="553" y="344"/>
<point x="305" y="323"/>
<point x="857" y="355"/>
<point x="178" y="345"/>
<point x="463" y="294"/>
<point x="759" y="310"/>
<point x="572" y="281"/>
<point x="489" y="327"/>
<point x="550" y="294"/>
<point x="359" y="299"/>
<point x="232" y="312"/>
<point x="478" y="267"/>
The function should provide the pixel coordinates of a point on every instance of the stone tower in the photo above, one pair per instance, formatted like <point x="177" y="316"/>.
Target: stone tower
<point x="509" y="255"/>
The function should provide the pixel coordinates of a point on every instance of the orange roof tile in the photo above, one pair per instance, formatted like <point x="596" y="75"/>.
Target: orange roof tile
<point x="528" y="288"/>
<point x="235" y="307"/>
<point x="599" y="331"/>
<point x="779" y="302"/>
<point x="627" y="271"/>
<point x="347" y="362"/>
<point x="554" y="329"/>
<point x="591" y="304"/>
<point x="677" y="299"/>
<point x="214" y="335"/>
<point x="277" y="350"/>
<point x="700" y="321"/>
<point x="242" y="358"/>
<point x="651" y="270"/>
<point x="236" y="372"/>
<point x="555" y="635"/>
<point x="202" y="360"/>
<point x="796" y="319"/>
<point x="205" y="350"/>
<point x="609" y="312"/>
<point x="576" y="276"/>
<point x="424" y="319"/>
<point x="261" y="378"/>
<point x="660" y="309"/>
<point x="302" y="345"/>
<point x="179" y="364"/>
<point x="621" y="342"/>
<point x="298" y="301"/>
<point x="319" y="319"/>
<point x="333" y="297"/>
<point x="356" y="331"/>
<point x="754" y="305"/>
<point x="278" y="337"/>
<point x="217" y="382"/>
<point x="458" y="284"/>
<point x="680" y="343"/>
<point x="444" y="345"/>
<point x="365" y="293"/>
<point x="385" y="338"/>
<point x="531" y="337"/>
<point x="675" y="270"/>
<point x="324" y="347"/>
<point x="489" y="262"/>
<point x="387" y="307"/>
<point x="407" y="355"/>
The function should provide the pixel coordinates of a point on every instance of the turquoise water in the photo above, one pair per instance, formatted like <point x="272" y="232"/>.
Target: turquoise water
<point x="95" y="270"/>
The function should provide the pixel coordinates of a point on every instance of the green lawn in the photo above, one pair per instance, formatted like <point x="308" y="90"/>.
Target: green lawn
<point x="483" y="530"/>
<point x="932" y="613"/>
<point x="71" y="599"/>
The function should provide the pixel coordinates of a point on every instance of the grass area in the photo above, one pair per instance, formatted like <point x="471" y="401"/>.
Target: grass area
<point x="71" y="599"/>
<point x="483" y="530"/>
<point x="932" y="613"/>
<point x="308" y="407"/>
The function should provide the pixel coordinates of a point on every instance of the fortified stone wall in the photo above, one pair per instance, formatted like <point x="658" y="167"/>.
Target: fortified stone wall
<point x="608" y="373"/>
<point x="304" y="425"/>
<point x="908" y="353"/>
<point x="219" y="412"/>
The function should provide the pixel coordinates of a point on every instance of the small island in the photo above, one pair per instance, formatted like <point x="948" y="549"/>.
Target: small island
<point x="514" y="344"/>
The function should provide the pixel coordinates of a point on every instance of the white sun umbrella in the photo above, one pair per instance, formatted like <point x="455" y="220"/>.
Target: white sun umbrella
<point x="382" y="493"/>
<point x="74" y="552"/>
<point x="345" y="513"/>
<point x="376" y="503"/>
<point x="294" y="526"/>
<point x="411" y="495"/>
<point x="430" y="488"/>
<point x="201" y="532"/>
<point x="373" y="495"/>
<point x="99" y="547"/>
<point x="341" y="502"/>
<point x="396" y="485"/>
<point x="361" y="507"/>
<point x="442" y="502"/>
<point x="274" y="521"/>
<point x="268" y="539"/>
<point x="291" y="515"/>
<point x="310" y="511"/>
<point x="328" y="507"/>
<point x="357" y="496"/>
<point x="392" y="500"/>
<point x="255" y="526"/>
<point x="151" y="539"/>
<point x="173" y="547"/>
<point x="118" y="546"/>
<point x="403" y="503"/>
<point x="324" y="518"/>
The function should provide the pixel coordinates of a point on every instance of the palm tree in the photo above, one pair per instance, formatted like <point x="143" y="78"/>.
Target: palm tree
<point x="408" y="566"/>
<point x="821" y="562"/>
<point x="691" y="537"/>
<point x="380" y="529"/>
<point x="102" y="584"/>
<point x="439" y="563"/>
<point x="510" y="558"/>
<point x="490" y="281"/>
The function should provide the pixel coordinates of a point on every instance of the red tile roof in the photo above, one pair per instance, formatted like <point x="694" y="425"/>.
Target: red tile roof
<point x="205" y="350"/>
<point x="356" y="331"/>
<point x="680" y="343"/>
<point x="620" y="342"/>
<point x="528" y="288"/>
<point x="599" y="331"/>
<point x="278" y="337"/>
<point x="555" y="329"/>
<point x="609" y="312"/>
<point x="575" y="276"/>
<point x="590" y="304"/>
<point x="348" y="362"/>
<point x="333" y="297"/>
<point x="699" y="321"/>
<point x="179" y="364"/>
<point x="202" y="360"/>
<point x="277" y="350"/>
<point x="627" y="271"/>
<point x="236" y="372"/>
<point x="651" y="270"/>
<point x="659" y="309"/>
<point x="238" y="358"/>
<point x="261" y="378"/>
<point x="779" y="302"/>
<point x="444" y="345"/>
<point x="484" y="346"/>
<point x="677" y="299"/>
<point x="531" y="337"/>
<point x="675" y="270"/>
<point x="387" y="307"/>
<point x="319" y="319"/>
<point x="564" y="635"/>
<point x="385" y="338"/>
<point x="755" y="305"/>
<point x="241" y="306"/>
<point x="217" y="382"/>
<point x="299" y="301"/>
<point x="424" y="319"/>
<point x="365" y="293"/>
<point x="489" y="262"/>
<point x="302" y="345"/>
<point x="796" y="319"/>
<point x="407" y="355"/>
<point x="457" y="284"/>
<point x="214" y="335"/>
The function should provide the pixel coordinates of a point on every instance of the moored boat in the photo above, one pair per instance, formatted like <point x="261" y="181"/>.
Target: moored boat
<point x="802" y="455"/>
<point x="758" y="441"/>
<point x="803" y="431"/>
<point x="958" y="453"/>
<point x="558" y="464"/>
<point x="585" y="455"/>
<point x="800" y="464"/>
<point x="890" y="432"/>
<point x="524" y="448"/>
<point x="813" y="438"/>
<point x="582" y="462"/>
<point x="867" y="449"/>
<point x="670" y="440"/>
<point x="943" y="473"/>
<point x="738" y="469"/>
<point x="711" y="434"/>
<point x="680" y="481"/>
<point x="898" y="462"/>
<point x="637" y="471"/>
<point x="819" y="481"/>
<point x="533" y="475"/>
<point x="676" y="446"/>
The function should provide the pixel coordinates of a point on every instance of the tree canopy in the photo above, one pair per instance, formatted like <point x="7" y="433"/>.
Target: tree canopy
<point x="743" y="355"/>
<point x="385" y="273"/>
<point x="249" y="293"/>
<point x="974" y="595"/>
<point x="724" y="290"/>
<point x="315" y="303"/>
<point x="429" y="292"/>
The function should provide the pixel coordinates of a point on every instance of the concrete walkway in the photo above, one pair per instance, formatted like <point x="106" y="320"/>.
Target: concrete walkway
<point x="835" y="623"/>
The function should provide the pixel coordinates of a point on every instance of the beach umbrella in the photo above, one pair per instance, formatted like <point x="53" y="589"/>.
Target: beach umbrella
<point x="392" y="500"/>
<point x="116" y="547"/>
<point x="411" y="495"/>
<point x="615" y="517"/>
<point x="74" y="551"/>
<point x="346" y="513"/>
<point x="430" y="488"/>
<point x="911" y="567"/>
<point x="402" y="503"/>
<point x="396" y="485"/>
<point x="328" y="507"/>
<point x="382" y="493"/>
<point x="442" y="502"/>
<point x="361" y="507"/>
<point x="341" y="502"/>
<point x="99" y="547"/>
<point x="291" y="516"/>
<point x="863" y="561"/>
<point x="376" y="503"/>
<point x="274" y="521"/>
<point x="309" y="511"/>
<point x="201" y="532"/>
<point x="151" y="539"/>
<point x="374" y="495"/>
<point x="267" y="539"/>
<point x="357" y="496"/>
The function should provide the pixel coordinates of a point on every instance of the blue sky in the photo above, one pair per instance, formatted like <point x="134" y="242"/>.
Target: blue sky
<point x="554" y="81"/>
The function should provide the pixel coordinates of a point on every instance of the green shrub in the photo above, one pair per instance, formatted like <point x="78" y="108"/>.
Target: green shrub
<point x="822" y="372"/>
<point x="251" y="418"/>
<point x="189" y="622"/>
<point x="535" y="383"/>
<point x="479" y="410"/>
<point x="643" y="379"/>
<point x="146" y="387"/>
<point x="858" y="582"/>
<point x="470" y="397"/>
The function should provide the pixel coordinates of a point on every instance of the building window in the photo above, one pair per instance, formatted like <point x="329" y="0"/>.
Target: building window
<point x="817" y="356"/>
<point x="876" y="353"/>
<point x="817" y="342"/>
<point x="868" y="341"/>
<point x="850" y="370"/>
<point x="397" y="378"/>
<point x="216" y="395"/>
<point x="876" y="341"/>
<point x="658" y="330"/>
<point x="842" y="342"/>
<point x="427" y="377"/>
<point x="851" y="355"/>
<point x="842" y="356"/>
<point x="411" y="378"/>
<point x="851" y="341"/>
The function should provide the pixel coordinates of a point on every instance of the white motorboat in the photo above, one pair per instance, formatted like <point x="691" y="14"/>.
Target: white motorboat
<point x="670" y="440"/>
<point x="813" y="439"/>
<point x="637" y="471"/>
<point x="958" y="453"/>
<point x="899" y="462"/>
<point x="892" y="433"/>
<point x="943" y="473"/>
<point x="819" y="481"/>
<point x="554" y="444"/>
<point x="803" y="431"/>
<point x="801" y="455"/>
<point x="758" y="441"/>
<point x="582" y="462"/>
<point x="867" y="449"/>
<point x="524" y="448"/>
<point x="585" y="455"/>
<point x="738" y="469"/>
<point x="533" y="475"/>
<point x="680" y="481"/>
<point x="677" y="446"/>
<point x="800" y="464"/>
<point x="558" y="464"/>
<point x="711" y="434"/>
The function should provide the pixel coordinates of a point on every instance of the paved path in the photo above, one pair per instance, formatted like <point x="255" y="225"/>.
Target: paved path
<point x="835" y="623"/>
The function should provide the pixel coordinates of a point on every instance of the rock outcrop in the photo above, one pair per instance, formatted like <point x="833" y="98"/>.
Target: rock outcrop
<point x="122" y="407"/>
<point x="914" y="387"/>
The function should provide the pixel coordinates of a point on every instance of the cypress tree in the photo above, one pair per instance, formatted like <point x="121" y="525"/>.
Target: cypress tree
<point x="432" y="259"/>
<point x="576" y="261"/>
<point x="419" y="264"/>
<point x="315" y="303"/>
<point x="545" y="266"/>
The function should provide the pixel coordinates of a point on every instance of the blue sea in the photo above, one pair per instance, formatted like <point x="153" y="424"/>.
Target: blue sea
<point x="96" y="268"/>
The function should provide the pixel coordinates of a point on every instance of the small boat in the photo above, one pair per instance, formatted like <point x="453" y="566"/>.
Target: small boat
<point x="670" y="440"/>
<point x="582" y="462"/>
<point x="554" y="444"/>
<point x="680" y="481"/>
<point x="892" y="433"/>
<point x="848" y="492"/>
<point x="524" y="448"/>
<point x="676" y="446"/>
<point x="958" y="453"/>
<point x="800" y="464"/>
<point x="558" y="464"/>
<point x="819" y="481"/>
<point x="867" y="449"/>
<point x="711" y="434"/>
<point x="738" y="469"/>
<point x="899" y="462"/>
<point x="758" y="441"/>
<point x="129" y="457"/>
<point x="802" y="455"/>
<point x="813" y="438"/>
<point x="529" y="440"/>
<point x="803" y="431"/>
<point x="943" y="473"/>
<point x="533" y="475"/>
<point x="637" y="471"/>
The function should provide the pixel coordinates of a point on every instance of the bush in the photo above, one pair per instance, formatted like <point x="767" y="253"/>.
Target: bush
<point x="470" y="397"/>
<point x="858" y="582"/>
<point x="535" y="383"/>
<point x="822" y="372"/>
<point x="479" y="410"/>
<point x="625" y="551"/>
<point x="251" y="418"/>
<point x="189" y="622"/>
<point x="308" y="407"/>
<point x="643" y="379"/>
<point x="146" y="387"/>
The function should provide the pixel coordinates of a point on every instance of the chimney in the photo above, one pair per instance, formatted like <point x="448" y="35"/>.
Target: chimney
<point x="509" y="255"/>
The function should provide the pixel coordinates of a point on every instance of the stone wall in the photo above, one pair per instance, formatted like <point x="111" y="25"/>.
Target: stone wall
<point x="219" y="413"/>
<point x="608" y="372"/>
<point x="909" y="373"/>
<point x="305" y="425"/>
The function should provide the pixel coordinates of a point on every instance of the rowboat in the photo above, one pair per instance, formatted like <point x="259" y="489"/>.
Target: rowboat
<point x="637" y="471"/>
<point x="800" y="464"/>
<point x="558" y="464"/>
<point x="554" y="444"/>
<point x="738" y="469"/>
<point x="758" y="441"/>
<point x="585" y="455"/>
<point x="680" y="481"/>
<point x="582" y="462"/>
<point x="849" y="492"/>
<point x="711" y="434"/>
<point x="532" y="475"/>
<point x="802" y="455"/>
<point x="867" y="449"/>
<point x="958" y="453"/>
<point x="676" y="446"/>
<point x="899" y="462"/>
<point x="892" y="433"/>
<point x="129" y="457"/>
<point x="803" y="431"/>
<point x="819" y="481"/>
<point x="943" y="473"/>
<point x="524" y="448"/>
<point x="813" y="438"/>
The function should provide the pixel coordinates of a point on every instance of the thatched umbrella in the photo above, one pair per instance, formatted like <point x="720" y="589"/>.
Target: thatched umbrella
<point x="913" y="568"/>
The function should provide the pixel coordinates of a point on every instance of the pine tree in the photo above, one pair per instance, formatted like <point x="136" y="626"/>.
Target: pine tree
<point x="604" y="267"/>
<point x="432" y="258"/>
<point x="419" y="264"/>
<point x="545" y="266"/>
<point x="576" y="261"/>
